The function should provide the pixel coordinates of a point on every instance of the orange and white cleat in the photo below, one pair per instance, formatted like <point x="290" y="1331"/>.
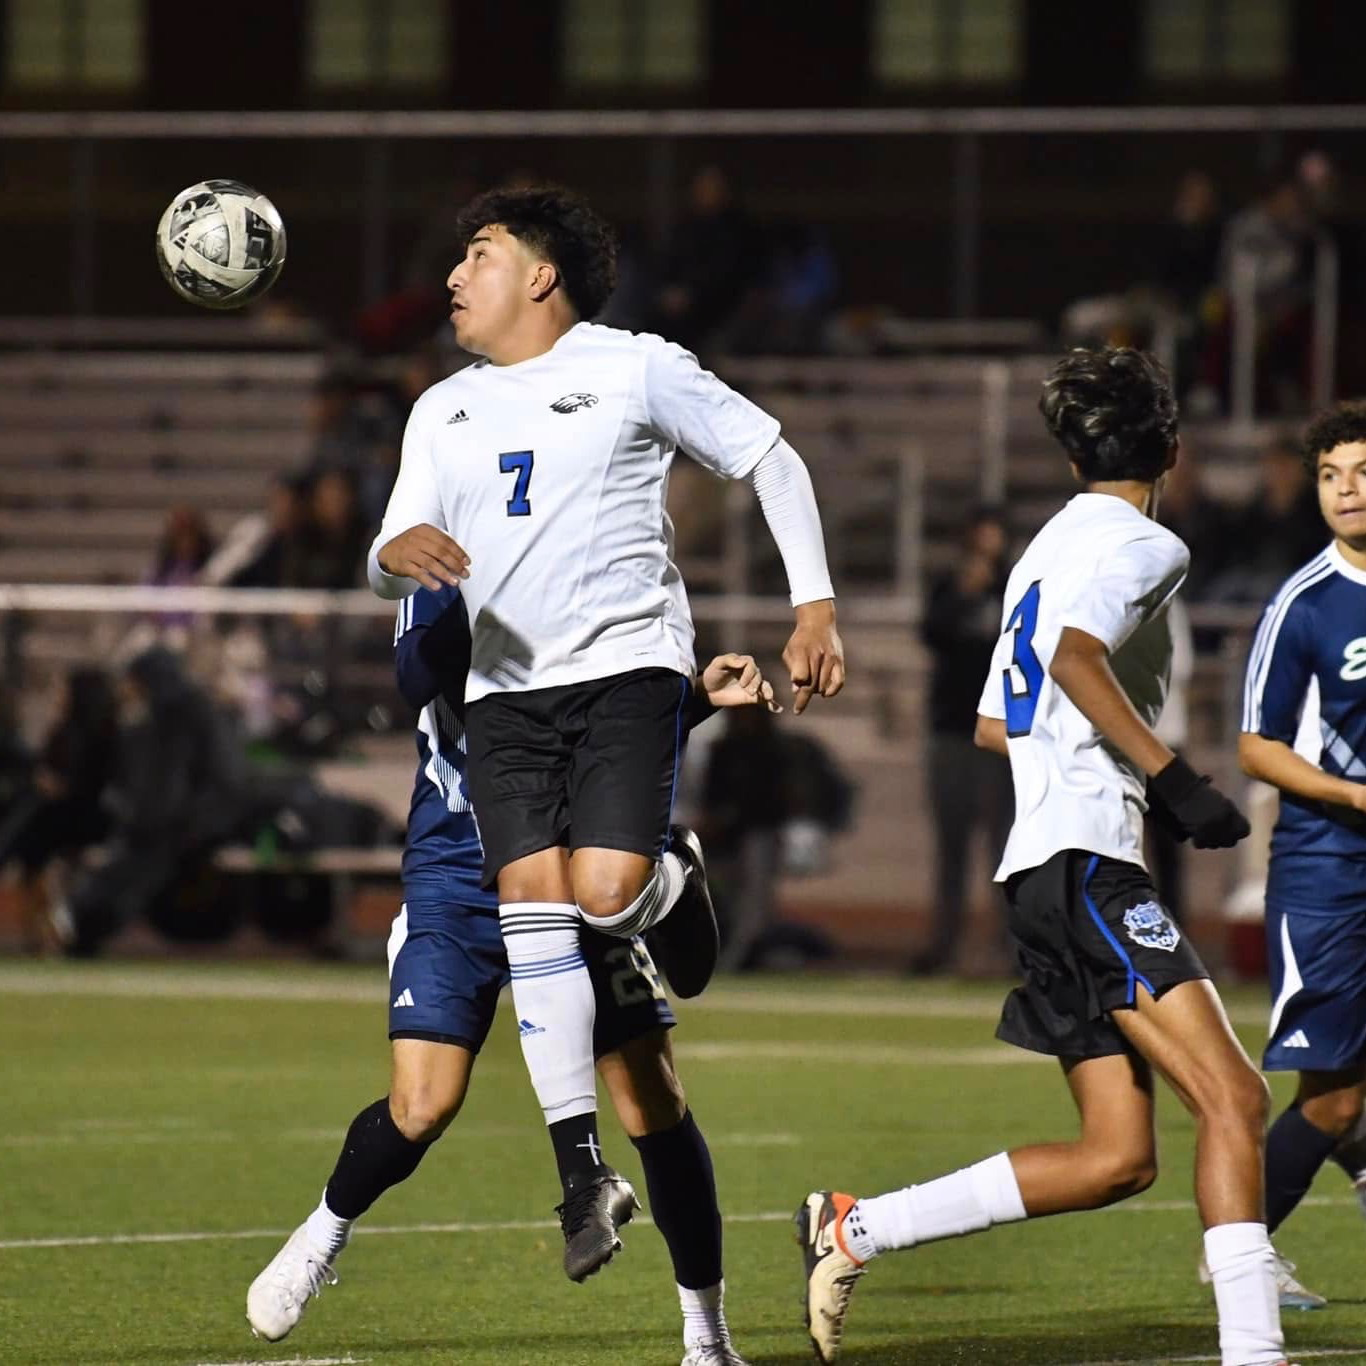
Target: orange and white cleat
<point x="830" y="1271"/>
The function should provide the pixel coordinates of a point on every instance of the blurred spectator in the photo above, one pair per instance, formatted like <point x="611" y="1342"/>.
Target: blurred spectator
<point x="1188" y="263"/>
<point x="710" y="263"/>
<point x="259" y="551"/>
<point x="1277" y="530"/>
<point x="1186" y="278"/>
<point x="338" y="438"/>
<point x="332" y="541"/>
<point x="1276" y="235"/>
<point x="745" y="798"/>
<point x="969" y="788"/>
<point x="59" y="811"/>
<point x="173" y="797"/>
<point x="1173" y="729"/>
<point x="787" y="313"/>
<point x="1201" y="521"/>
<point x="184" y="547"/>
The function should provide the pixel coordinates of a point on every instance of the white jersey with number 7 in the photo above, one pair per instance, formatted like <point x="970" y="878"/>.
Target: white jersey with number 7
<point x="1101" y="566"/>
<point x="552" y="475"/>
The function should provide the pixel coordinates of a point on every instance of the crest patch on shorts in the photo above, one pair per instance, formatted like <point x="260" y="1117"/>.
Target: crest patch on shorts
<point x="1149" y="925"/>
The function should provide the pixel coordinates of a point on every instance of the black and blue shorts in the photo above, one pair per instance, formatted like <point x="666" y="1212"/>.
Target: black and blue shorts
<point x="1088" y="931"/>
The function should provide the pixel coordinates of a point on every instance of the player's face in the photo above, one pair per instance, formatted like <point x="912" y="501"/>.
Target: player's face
<point x="489" y="288"/>
<point x="1342" y="492"/>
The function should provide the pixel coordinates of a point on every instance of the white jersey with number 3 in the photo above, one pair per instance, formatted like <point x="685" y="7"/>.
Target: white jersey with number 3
<point x="1101" y="566"/>
<point x="551" y="474"/>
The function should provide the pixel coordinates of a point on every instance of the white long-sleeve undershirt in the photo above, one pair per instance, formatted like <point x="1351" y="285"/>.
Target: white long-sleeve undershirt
<point x="782" y="484"/>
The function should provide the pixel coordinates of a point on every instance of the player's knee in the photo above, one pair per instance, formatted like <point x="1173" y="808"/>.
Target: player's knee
<point x="422" y="1114"/>
<point x="1240" y="1099"/>
<point x="1334" y="1112"/>
<point x="607" y="892"/>
<point x="1117" y="1174"/>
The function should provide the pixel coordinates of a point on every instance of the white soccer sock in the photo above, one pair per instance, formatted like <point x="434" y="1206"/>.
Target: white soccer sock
<point x="327" y="1232"/>
<point x="555" y="1008"/>
<point x="704" y="1317"/>
<point x="966" y="1201"/>
<point x="650" y="907"/>
<point x="1242" y="1266"/>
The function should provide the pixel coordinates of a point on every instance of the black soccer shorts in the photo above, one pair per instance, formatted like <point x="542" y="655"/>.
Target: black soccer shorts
<point x="586" y="765"/>
<point x="1088" y="932"/>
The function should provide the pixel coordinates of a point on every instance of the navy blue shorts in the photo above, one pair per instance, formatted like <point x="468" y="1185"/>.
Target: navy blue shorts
<point x="447" y="966"/>
<point x="1317" y="968"/>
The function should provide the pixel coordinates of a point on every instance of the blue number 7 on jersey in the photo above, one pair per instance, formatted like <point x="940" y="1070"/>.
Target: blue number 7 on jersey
<point x="520" y="462"/>
<point x="1020" y="706"/>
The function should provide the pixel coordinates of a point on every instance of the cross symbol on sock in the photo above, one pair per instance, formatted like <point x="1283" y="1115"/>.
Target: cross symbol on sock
<point x="594" y="1151"/>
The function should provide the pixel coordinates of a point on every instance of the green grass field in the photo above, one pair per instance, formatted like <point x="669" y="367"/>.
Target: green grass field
<point x="165" y="1126"/>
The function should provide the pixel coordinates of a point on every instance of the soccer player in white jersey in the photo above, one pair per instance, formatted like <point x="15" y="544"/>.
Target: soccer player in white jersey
<point x="1111" y="986"/>
<point x="1304" y="731"/>
<point x="536" y="479"/>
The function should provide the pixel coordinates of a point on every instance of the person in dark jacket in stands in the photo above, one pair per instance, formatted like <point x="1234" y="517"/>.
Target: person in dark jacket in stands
<point x="175" y="796"/>
<point x="59" y="810"/>
<point x="969" y="788"/>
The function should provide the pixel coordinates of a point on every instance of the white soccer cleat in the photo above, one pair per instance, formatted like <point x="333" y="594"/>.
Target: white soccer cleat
<point x="713" y="1354"/>
<point x="279" y="1295"/>
<point x="830" y="1271"/>
<point x="1291" y="1293"/>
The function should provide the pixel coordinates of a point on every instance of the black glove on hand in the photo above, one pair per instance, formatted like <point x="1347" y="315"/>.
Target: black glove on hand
<point x="1198" y="807"/>
<point x="1161" y="814"/>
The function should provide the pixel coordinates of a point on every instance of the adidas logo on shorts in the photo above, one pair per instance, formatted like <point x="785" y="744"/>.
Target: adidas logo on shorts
<point x="1296" y="1040"/>
<point x="404" y="998"/>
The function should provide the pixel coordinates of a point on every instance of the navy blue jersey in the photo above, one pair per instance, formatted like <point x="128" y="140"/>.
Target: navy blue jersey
<point x="443" y="860"/>
<point x="1306" y="678"/>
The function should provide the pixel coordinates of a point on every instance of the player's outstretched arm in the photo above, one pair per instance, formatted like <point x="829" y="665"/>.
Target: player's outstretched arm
<point x="1081" y="668"/>
<point x="736" y="681"/>
<point x="1275" y="762"/>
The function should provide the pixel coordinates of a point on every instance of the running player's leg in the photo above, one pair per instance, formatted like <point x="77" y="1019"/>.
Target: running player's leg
<point x="518" y="779"/>
<point x="1186" y="1036"/>
<point x="1323" y="1116"/>
<point x="1318" y="1029"/>
<point x="1112" y="1157"/>
<point x="636" y="1063"/>
<point x="632" y="872"/>
<point x="446" y="968"/>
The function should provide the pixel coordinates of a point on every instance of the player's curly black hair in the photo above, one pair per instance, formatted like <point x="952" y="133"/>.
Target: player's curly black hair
<point x="1112" y="411"/>
<point x="559" y="225"/>
<point x="1342" y="425"/>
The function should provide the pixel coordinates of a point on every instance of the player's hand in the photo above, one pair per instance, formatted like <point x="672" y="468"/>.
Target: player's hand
<point x="815" y="654"/>
<point x="427" y="554"/>
<point x="1359" y="798"/>
<point x="1210" y="819"/>
<point x="735" y="681"/>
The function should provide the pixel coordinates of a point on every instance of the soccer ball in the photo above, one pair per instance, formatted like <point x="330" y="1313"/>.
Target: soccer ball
<point x="220" y="244"/>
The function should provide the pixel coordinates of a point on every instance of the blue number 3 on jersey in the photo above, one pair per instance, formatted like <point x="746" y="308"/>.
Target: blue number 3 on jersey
<point x="1024" y="664"/>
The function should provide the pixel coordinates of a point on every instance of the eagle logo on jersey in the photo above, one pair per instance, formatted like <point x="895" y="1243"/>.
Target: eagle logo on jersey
<point x="1149" y="925"/>
<point x="571" y="403"/>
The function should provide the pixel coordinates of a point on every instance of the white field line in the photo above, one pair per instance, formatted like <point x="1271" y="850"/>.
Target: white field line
<point x="178" y="983"/>
<point x="510" y="1226"/>
<point x="293" y="1361"/>
<point x="1312" y="1353"/>
<point x="199" y="1137"/>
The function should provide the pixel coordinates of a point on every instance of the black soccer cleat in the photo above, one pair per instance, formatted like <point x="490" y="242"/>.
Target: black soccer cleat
<point x="686" y="944"/>
<point x="590" y="1218"/>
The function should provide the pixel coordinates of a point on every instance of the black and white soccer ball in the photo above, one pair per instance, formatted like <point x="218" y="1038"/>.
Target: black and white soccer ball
<point x="220" y="244"/>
